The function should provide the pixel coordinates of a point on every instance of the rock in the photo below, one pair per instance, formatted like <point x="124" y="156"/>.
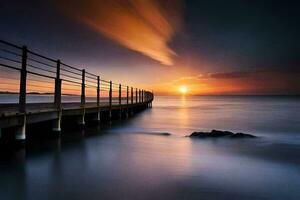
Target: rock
<point x="213" y="133"/>
<point x="165" y="134"/>
<point x="218" y="133"/>
<point x="157" y="133"/>
<point x="242" y="135"/>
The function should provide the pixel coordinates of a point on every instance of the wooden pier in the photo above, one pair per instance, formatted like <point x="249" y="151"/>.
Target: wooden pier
<point x="64" y="83"/>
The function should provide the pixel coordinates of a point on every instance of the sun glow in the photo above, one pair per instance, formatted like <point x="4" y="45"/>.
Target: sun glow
<point x="183" y="89"/>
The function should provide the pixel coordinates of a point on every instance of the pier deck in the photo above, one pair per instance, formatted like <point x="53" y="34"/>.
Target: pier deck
<point x="25" y="73"/>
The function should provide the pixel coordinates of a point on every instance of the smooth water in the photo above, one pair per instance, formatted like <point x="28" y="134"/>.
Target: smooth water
<point x="131" y="160"/>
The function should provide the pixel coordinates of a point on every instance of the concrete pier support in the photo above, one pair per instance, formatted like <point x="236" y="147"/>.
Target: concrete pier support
<point x="120" y="113"/>
<point x="127" y="113"/>
<point x="20" y="134"/>
<point x="110" y="115"/>
<point x="57" y="123"/>
<point x="98" y="116"/>
<point x="81" y="120"/>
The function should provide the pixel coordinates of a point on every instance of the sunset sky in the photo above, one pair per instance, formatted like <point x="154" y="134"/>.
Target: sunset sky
<point x="209" y="47"/>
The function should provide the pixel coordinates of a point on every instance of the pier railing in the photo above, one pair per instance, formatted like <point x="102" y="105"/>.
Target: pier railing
<point x="31" y="73"/>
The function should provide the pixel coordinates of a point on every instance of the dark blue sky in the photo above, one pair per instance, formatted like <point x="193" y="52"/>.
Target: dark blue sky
<point x="216" y="36"/>
<point x="245" y="34"/>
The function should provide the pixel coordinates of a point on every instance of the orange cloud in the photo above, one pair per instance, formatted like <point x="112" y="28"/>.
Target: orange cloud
<point x="145" y="26"/>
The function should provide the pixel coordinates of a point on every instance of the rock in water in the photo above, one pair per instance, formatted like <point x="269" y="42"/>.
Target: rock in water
<point x="242" y="135"/>
<point x="218" y="133"/>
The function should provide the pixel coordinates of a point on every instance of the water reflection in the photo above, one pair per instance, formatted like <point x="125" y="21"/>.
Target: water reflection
<point x="127" y="161"/>
<point x="183" y="113"/>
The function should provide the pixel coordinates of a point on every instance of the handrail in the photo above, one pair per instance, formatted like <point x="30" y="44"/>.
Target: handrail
<point x="10" y="44"/>
<point x="72" y="75"/>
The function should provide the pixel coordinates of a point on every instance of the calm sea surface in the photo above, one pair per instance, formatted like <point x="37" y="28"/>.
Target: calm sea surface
<point x="131" y="160"/>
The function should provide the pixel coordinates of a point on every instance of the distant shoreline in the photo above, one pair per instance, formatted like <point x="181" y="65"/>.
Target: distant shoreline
<point x="235" y="95"/>
<point x="213" y="95"/>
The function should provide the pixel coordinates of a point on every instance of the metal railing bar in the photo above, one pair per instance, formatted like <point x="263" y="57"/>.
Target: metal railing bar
<point x="66" y="94"/>
<point x="9" y="59"/>
<point x="79" y="74"/>
<point x="91" y="74"/>
<point x="11" y="67"/>
<point x="11" y="52"/>
<point x="95" y="82"/>
<point x="38" y="93"/>
<point x="104" y="85"/>
<point x="90" y="86"/>
<point x="39" y="55"/>
<point x="92" y="78"/>
<point x="70" y="90"/>
<point x="39" y="68"/>
<point x="43" y="75"/>
<point x="69" y="76"/>
<point x="13" y="79"/>
<point x="71" y="67"/>
<point x="76" y="80"/>
<point x="75" y="86"/>
<point x="9" y="83"/>
<point x="69" y="84"/>
<point x="10" y="44"/>
<point x="71" y="81"/>
<point x="34" y="60"/>
<point x="32" y="85"/>
<point x="102" y="80"/>
<point x="35" y="80"/>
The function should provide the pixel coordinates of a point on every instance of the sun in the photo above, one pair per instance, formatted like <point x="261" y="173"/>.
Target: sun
<point x="183" y="89"/>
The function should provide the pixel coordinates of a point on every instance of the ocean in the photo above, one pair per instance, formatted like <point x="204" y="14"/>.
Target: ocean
<point x="134" y="159"/>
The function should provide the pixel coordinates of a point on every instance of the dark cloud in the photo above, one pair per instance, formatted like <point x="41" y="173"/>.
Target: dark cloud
<point x="292" y="71"/>
<point x="230" y="75"/>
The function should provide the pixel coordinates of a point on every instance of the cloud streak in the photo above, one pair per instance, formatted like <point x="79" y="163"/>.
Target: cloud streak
<point x="251" y="82"/>
<point x="145" y="26"/>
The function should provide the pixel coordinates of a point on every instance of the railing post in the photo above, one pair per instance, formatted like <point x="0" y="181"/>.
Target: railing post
<point x="127" y="101"/>
<point x="143" y="96"/>
<point x="83" y="88"/>
<point x="131" y="95"/>
<point x="22" y="95"/>
<point x="147" y="96"/>
<point x="57" y="99"/>
<point x="98" y="98"/>
<point x="139" y="96"/>
<point x="98" y="91"/>
<point x="82" y="118"/>
<point x="110" y="99"/>
<point x="131" y="110"/>
<point x="127" y="96"/>
<point x="120" y="100"/>
<point x="120" y="95"/>
<point x="136" y="96"/>
<point x="57" y="95"/>
<point x="151" y="98"/>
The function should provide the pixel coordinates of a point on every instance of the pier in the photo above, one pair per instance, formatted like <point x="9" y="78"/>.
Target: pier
<point x="64" y="90"/>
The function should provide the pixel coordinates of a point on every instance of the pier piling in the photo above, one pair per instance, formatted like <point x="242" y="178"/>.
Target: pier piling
<point x="20" y="133"/>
